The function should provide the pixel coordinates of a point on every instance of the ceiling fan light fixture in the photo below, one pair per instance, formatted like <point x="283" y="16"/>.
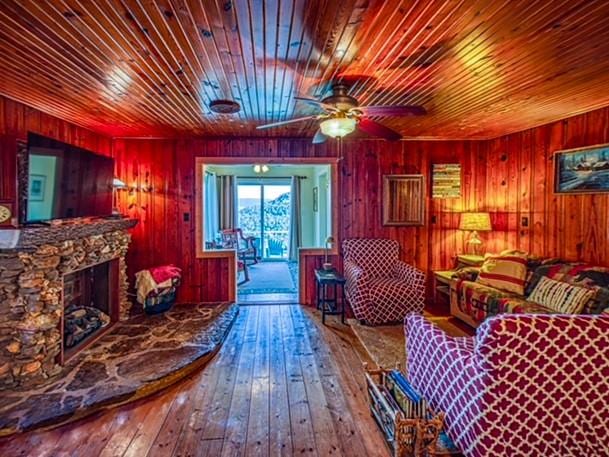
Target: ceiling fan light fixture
<point x="261" y="168"/>
<point x="338" y="127"/>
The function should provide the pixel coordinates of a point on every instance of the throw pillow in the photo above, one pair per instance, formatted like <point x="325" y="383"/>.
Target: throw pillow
<point x="505" y="272"/>
<point x="560" y="296"/>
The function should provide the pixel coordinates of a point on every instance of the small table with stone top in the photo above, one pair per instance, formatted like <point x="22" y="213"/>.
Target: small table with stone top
<point x="325" y="279"/>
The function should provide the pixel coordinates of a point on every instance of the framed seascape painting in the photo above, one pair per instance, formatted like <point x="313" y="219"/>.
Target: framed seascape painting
<point x="582" y="170"/>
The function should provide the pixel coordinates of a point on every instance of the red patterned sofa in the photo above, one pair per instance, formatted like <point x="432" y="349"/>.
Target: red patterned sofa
<point x="525" y="385"/>
<point x="475" y="301"/>
<point x="380" y="288"/>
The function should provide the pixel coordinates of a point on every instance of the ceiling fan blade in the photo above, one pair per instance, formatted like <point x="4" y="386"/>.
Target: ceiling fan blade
<point x="317" y="103"/>
<point x="319" y="137"/>
<point x="289" y="121"/>
<point x="375" y="129"/>
<point x="406" y="110"/>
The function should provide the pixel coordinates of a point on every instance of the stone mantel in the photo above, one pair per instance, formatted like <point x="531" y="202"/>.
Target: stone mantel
<point x="31" y="289"/>
<point x="28" y="238"/>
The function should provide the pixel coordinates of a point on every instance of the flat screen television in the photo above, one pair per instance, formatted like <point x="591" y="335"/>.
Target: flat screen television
<point x="65" y="181"/>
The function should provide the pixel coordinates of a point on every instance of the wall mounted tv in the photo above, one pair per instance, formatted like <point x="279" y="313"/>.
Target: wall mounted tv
<point x="65" y="181"/>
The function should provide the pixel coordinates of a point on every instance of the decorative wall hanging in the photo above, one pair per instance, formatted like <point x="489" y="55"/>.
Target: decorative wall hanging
<point x="403" y="199"/>
<point x="446" y="180"/>
<point x="582" y="170"/>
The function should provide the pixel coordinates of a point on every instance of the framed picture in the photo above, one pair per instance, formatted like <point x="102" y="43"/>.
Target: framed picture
<point x="37" y="185"/>
<point x="315" y="199"/>
<point x="582" y="170"/>
<point x="403" y="200"/>
<point x="446" y="180"/>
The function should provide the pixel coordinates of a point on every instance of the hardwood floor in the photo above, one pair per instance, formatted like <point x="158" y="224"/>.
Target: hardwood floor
<point x="281" y="385"/>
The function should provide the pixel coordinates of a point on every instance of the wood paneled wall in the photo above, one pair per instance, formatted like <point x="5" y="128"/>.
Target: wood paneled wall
<point x="166" y="230"/>
<point x="511" y="177"/>
<point x="519" y="183"/>
<point x="16" y="120"/>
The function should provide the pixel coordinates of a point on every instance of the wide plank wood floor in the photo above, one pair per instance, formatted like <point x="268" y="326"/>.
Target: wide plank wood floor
<point x="281" y="385"/>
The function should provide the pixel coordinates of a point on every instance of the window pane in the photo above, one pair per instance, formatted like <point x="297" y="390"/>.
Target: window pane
<point x="276" y="220"/>
<point x="248" y="202"/>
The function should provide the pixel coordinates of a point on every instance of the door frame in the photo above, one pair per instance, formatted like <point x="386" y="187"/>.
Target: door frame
<point x="231" y="254"/>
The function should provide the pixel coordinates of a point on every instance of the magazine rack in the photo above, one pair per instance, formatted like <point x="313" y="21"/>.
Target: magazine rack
<point x="406" y="436"/>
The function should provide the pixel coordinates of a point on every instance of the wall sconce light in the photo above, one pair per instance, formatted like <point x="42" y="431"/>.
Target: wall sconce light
<point x="118" y="184"/>
<point x="132" y="189"/>
<point x="146" y="187"/>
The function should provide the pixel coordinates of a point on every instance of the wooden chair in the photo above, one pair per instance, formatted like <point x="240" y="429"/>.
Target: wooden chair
<point x="246" y="249"/>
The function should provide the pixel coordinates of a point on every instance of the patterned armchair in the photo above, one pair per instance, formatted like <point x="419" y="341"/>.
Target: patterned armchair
<point x="524" y="385"/>
<point x="380" y="288"/>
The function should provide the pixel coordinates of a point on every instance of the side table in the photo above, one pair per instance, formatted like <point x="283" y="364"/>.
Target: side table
<point x="334" y="305"/>
<point x="441" y="284"/>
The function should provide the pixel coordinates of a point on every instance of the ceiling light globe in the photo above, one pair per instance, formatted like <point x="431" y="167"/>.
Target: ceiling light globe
<point x="265" y="168"/>
<point x="337" y="127"/>
<point x="257" y="168"/>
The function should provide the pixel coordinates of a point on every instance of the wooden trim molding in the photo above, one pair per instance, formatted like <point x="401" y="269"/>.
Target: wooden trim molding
<point x="231" y="254"/>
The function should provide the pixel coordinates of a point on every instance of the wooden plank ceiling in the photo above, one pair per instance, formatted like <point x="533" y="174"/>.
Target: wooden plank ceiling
<point x="150" y="68"/>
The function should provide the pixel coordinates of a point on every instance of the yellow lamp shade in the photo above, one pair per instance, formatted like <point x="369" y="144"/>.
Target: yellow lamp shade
<point x="475" y="221"/>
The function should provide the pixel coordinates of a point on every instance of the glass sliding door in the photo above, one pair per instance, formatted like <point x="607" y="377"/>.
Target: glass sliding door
<point x="276" y="221"/>
<point x="264" y="212"/>
<point x="249" y="198"/>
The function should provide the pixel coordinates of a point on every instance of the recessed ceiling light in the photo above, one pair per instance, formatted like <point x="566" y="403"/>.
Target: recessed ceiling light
<point x="224" y="106"/>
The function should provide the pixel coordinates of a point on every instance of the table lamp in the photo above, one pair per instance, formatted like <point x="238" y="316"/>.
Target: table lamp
<point x="475" y="222"/>
<point x="329" y="242"/>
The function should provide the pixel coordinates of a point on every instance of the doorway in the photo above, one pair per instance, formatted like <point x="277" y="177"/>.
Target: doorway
<point x="270" y="214"/>
<point x="264" y="214"/>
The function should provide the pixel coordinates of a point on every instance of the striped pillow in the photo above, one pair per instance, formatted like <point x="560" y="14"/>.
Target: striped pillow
<point x="560" y="296"/>
<point x="505" y="272"/>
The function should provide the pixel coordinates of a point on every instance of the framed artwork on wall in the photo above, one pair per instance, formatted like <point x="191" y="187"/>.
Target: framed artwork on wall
<point x="37" y="185"/>
<point x="403" y="200"/>
<point x="582" y="170"/>
<point x="446" y="180"/>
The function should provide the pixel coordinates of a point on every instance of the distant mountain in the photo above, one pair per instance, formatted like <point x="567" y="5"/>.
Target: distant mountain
<point x="276" y="215"/>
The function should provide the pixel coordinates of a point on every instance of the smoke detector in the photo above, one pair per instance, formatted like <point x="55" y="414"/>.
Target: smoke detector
<point x="224" y="106"/>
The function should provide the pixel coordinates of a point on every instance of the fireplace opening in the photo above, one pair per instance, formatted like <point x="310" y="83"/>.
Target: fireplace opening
<point x="90" y="306"/>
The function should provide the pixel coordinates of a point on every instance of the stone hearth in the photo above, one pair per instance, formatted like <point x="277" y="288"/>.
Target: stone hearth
<point x="31" y="284"/>
<point x="137" y="358"/>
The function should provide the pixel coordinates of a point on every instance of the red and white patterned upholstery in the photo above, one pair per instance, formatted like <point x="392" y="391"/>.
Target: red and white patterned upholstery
<point x="380" y="288"/>
<point x="525" y="385"/>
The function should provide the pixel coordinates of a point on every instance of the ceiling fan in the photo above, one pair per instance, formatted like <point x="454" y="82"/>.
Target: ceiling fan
<point x="343" y="114"/>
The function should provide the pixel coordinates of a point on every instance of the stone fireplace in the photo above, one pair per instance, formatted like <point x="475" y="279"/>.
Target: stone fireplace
<point x="90" y="306"/>
<point x="72" y="274"/>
